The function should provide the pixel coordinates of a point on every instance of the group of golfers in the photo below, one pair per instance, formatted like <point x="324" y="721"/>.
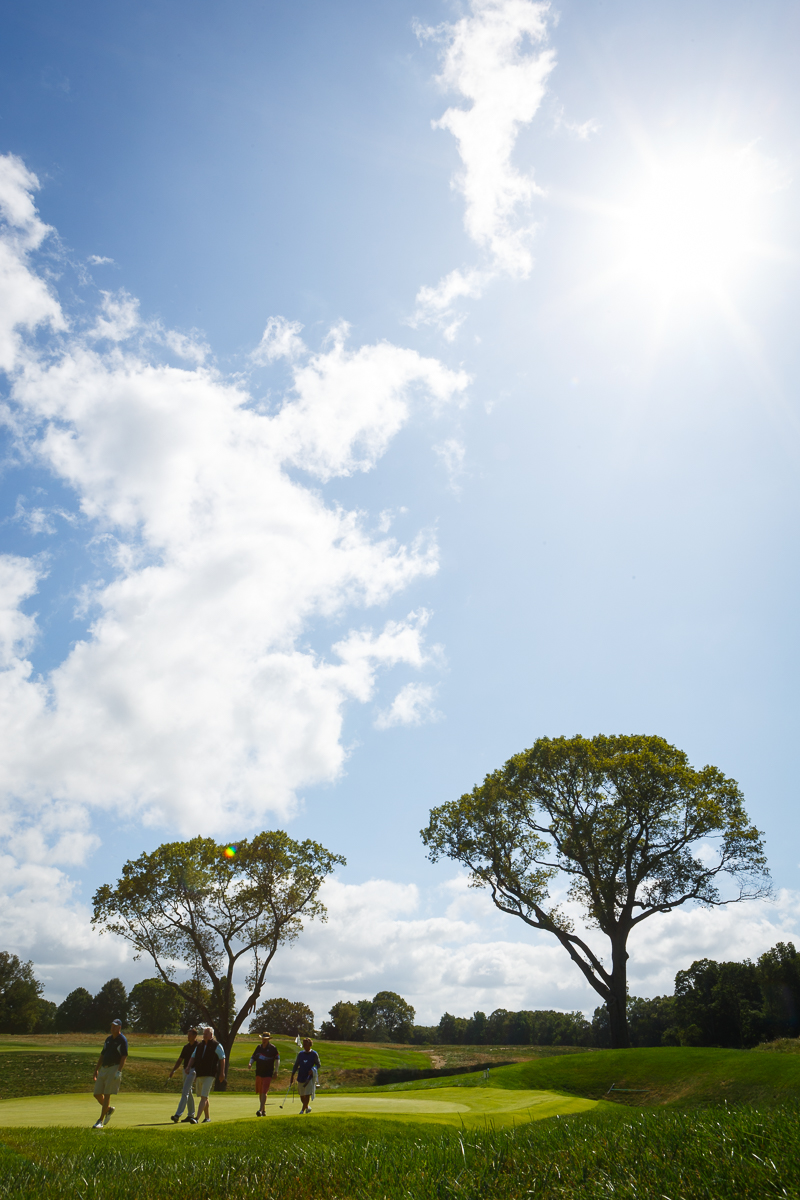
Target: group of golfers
<point x="202" y="1061"/>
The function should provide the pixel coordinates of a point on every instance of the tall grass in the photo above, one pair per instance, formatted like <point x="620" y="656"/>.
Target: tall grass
<point x="710" y="1154"/>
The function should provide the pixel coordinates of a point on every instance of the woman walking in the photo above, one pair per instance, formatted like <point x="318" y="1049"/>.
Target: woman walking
<point x="306" y="1066"/>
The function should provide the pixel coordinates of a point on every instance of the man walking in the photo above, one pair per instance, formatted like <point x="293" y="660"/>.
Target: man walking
<point x="108" y="1072"/>
<point x="267" y="1061"/>
<point x="189" y="1075"/>
<point x="208" y="1061"/>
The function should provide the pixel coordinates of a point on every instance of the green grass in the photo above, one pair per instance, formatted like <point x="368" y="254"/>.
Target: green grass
<point x="692" y="1155"/>
<point x="453" y="1106"/>
<point x="681" y="1076"/>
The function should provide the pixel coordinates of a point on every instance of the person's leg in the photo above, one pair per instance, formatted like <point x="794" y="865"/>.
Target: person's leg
<point x="103" y="1100"/>
<point x="187" y="1096"/>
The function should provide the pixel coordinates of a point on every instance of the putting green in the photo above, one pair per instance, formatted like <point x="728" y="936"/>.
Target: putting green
<point x="451" y="1105"/>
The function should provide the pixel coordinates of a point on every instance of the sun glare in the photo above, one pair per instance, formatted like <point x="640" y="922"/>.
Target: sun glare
<point x="696" y="221"/>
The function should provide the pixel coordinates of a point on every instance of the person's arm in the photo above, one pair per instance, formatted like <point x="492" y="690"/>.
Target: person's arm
<point x="221" y="1068"/>
<point x="99" y="1062"/>
<point x="294" y="1069"/>
<point x="123" y="1056"/>
<point x="177" y="1064"/>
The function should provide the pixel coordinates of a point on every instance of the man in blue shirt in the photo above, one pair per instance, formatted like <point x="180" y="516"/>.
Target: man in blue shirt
<point x="108" y="1072"/>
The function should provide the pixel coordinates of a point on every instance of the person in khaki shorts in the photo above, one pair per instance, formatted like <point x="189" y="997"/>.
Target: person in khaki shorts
<point x="108" y="1072"/>
<point x="208" y="1063"/>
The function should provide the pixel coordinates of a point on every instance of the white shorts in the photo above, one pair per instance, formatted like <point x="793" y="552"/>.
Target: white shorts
<point x="108" y="1081"/>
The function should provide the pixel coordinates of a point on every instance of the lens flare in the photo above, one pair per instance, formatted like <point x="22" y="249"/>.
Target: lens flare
<point x="230" y="851"/>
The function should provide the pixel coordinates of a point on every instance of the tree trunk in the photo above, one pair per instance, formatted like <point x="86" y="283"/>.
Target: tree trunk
<point x="617" y="1002"/>
<point x="226" y="1041"/>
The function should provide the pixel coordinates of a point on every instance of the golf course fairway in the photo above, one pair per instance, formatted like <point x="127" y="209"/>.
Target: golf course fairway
<point x="453" y="1106"/>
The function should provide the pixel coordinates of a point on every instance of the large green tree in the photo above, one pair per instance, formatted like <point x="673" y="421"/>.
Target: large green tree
<point x="206" y="909"/>
<point x="626" y="821"/>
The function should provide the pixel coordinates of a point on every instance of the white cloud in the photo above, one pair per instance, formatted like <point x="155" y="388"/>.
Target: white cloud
<point x="349" y="404"/>
<point x="119" y="317"/>
<point x="413" y="705"/>
<point x="497" y="59"/>
<point x="192" y="701"/>
<point x="280" y="339"/>
<point x="452" y="454"/>
<point x="25" y="300"/>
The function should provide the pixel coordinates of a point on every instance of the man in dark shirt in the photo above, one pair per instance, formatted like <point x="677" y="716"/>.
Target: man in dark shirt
<point x="189" y="1076"/>
<point x="267" y="1060"/>
<point x="108" y="1072"/>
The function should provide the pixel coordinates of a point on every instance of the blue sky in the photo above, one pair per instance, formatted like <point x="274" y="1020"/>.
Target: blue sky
<point x="586" y="457"/>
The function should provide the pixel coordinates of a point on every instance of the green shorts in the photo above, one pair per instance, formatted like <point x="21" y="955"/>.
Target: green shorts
<point x="205" y="1084"/>
<point x="108" y="1081"/>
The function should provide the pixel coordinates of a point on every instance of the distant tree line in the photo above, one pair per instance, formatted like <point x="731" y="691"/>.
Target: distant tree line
<point x="150" y="1007"/>
<point x="730" y="1004"/>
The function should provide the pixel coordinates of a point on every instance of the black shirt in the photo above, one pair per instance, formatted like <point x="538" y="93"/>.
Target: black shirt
<point x="206" y="1059"/>
<point x="186" y="1053"/>
<point x="114" y="1050"/>
<point x="265" y="1058"/>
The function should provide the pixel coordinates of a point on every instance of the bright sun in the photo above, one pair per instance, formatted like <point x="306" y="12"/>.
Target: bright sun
<point x="696" y="221"/>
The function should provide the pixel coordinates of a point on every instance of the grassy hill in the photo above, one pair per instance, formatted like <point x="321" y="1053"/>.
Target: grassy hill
<point x="681" y="1075"/>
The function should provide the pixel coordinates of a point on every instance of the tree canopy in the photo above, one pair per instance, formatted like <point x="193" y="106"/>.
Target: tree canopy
<point x="387" y="1017"/>
<point x="204" y="908"/>
<point x="155" y="1007"/>
<point x="279" y="1015"/>
<point x="625" y="821"/>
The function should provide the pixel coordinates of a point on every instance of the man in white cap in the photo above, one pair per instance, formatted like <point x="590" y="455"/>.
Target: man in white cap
<point x="108" y="1072"/>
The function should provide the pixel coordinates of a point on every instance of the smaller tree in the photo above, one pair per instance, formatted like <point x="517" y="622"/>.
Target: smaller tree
<point x="283" y="1016"/>
<point x="207" y="908"/>
<point x="20" y="1004"/>
<point x="154" y="1007"/>
<point x="343" y="1025"/>
<point x="109" y="1003"/>
<point x="74" y="1014"/>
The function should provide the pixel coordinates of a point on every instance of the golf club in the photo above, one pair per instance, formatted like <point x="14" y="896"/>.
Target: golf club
<point x="283" y="1101"/>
